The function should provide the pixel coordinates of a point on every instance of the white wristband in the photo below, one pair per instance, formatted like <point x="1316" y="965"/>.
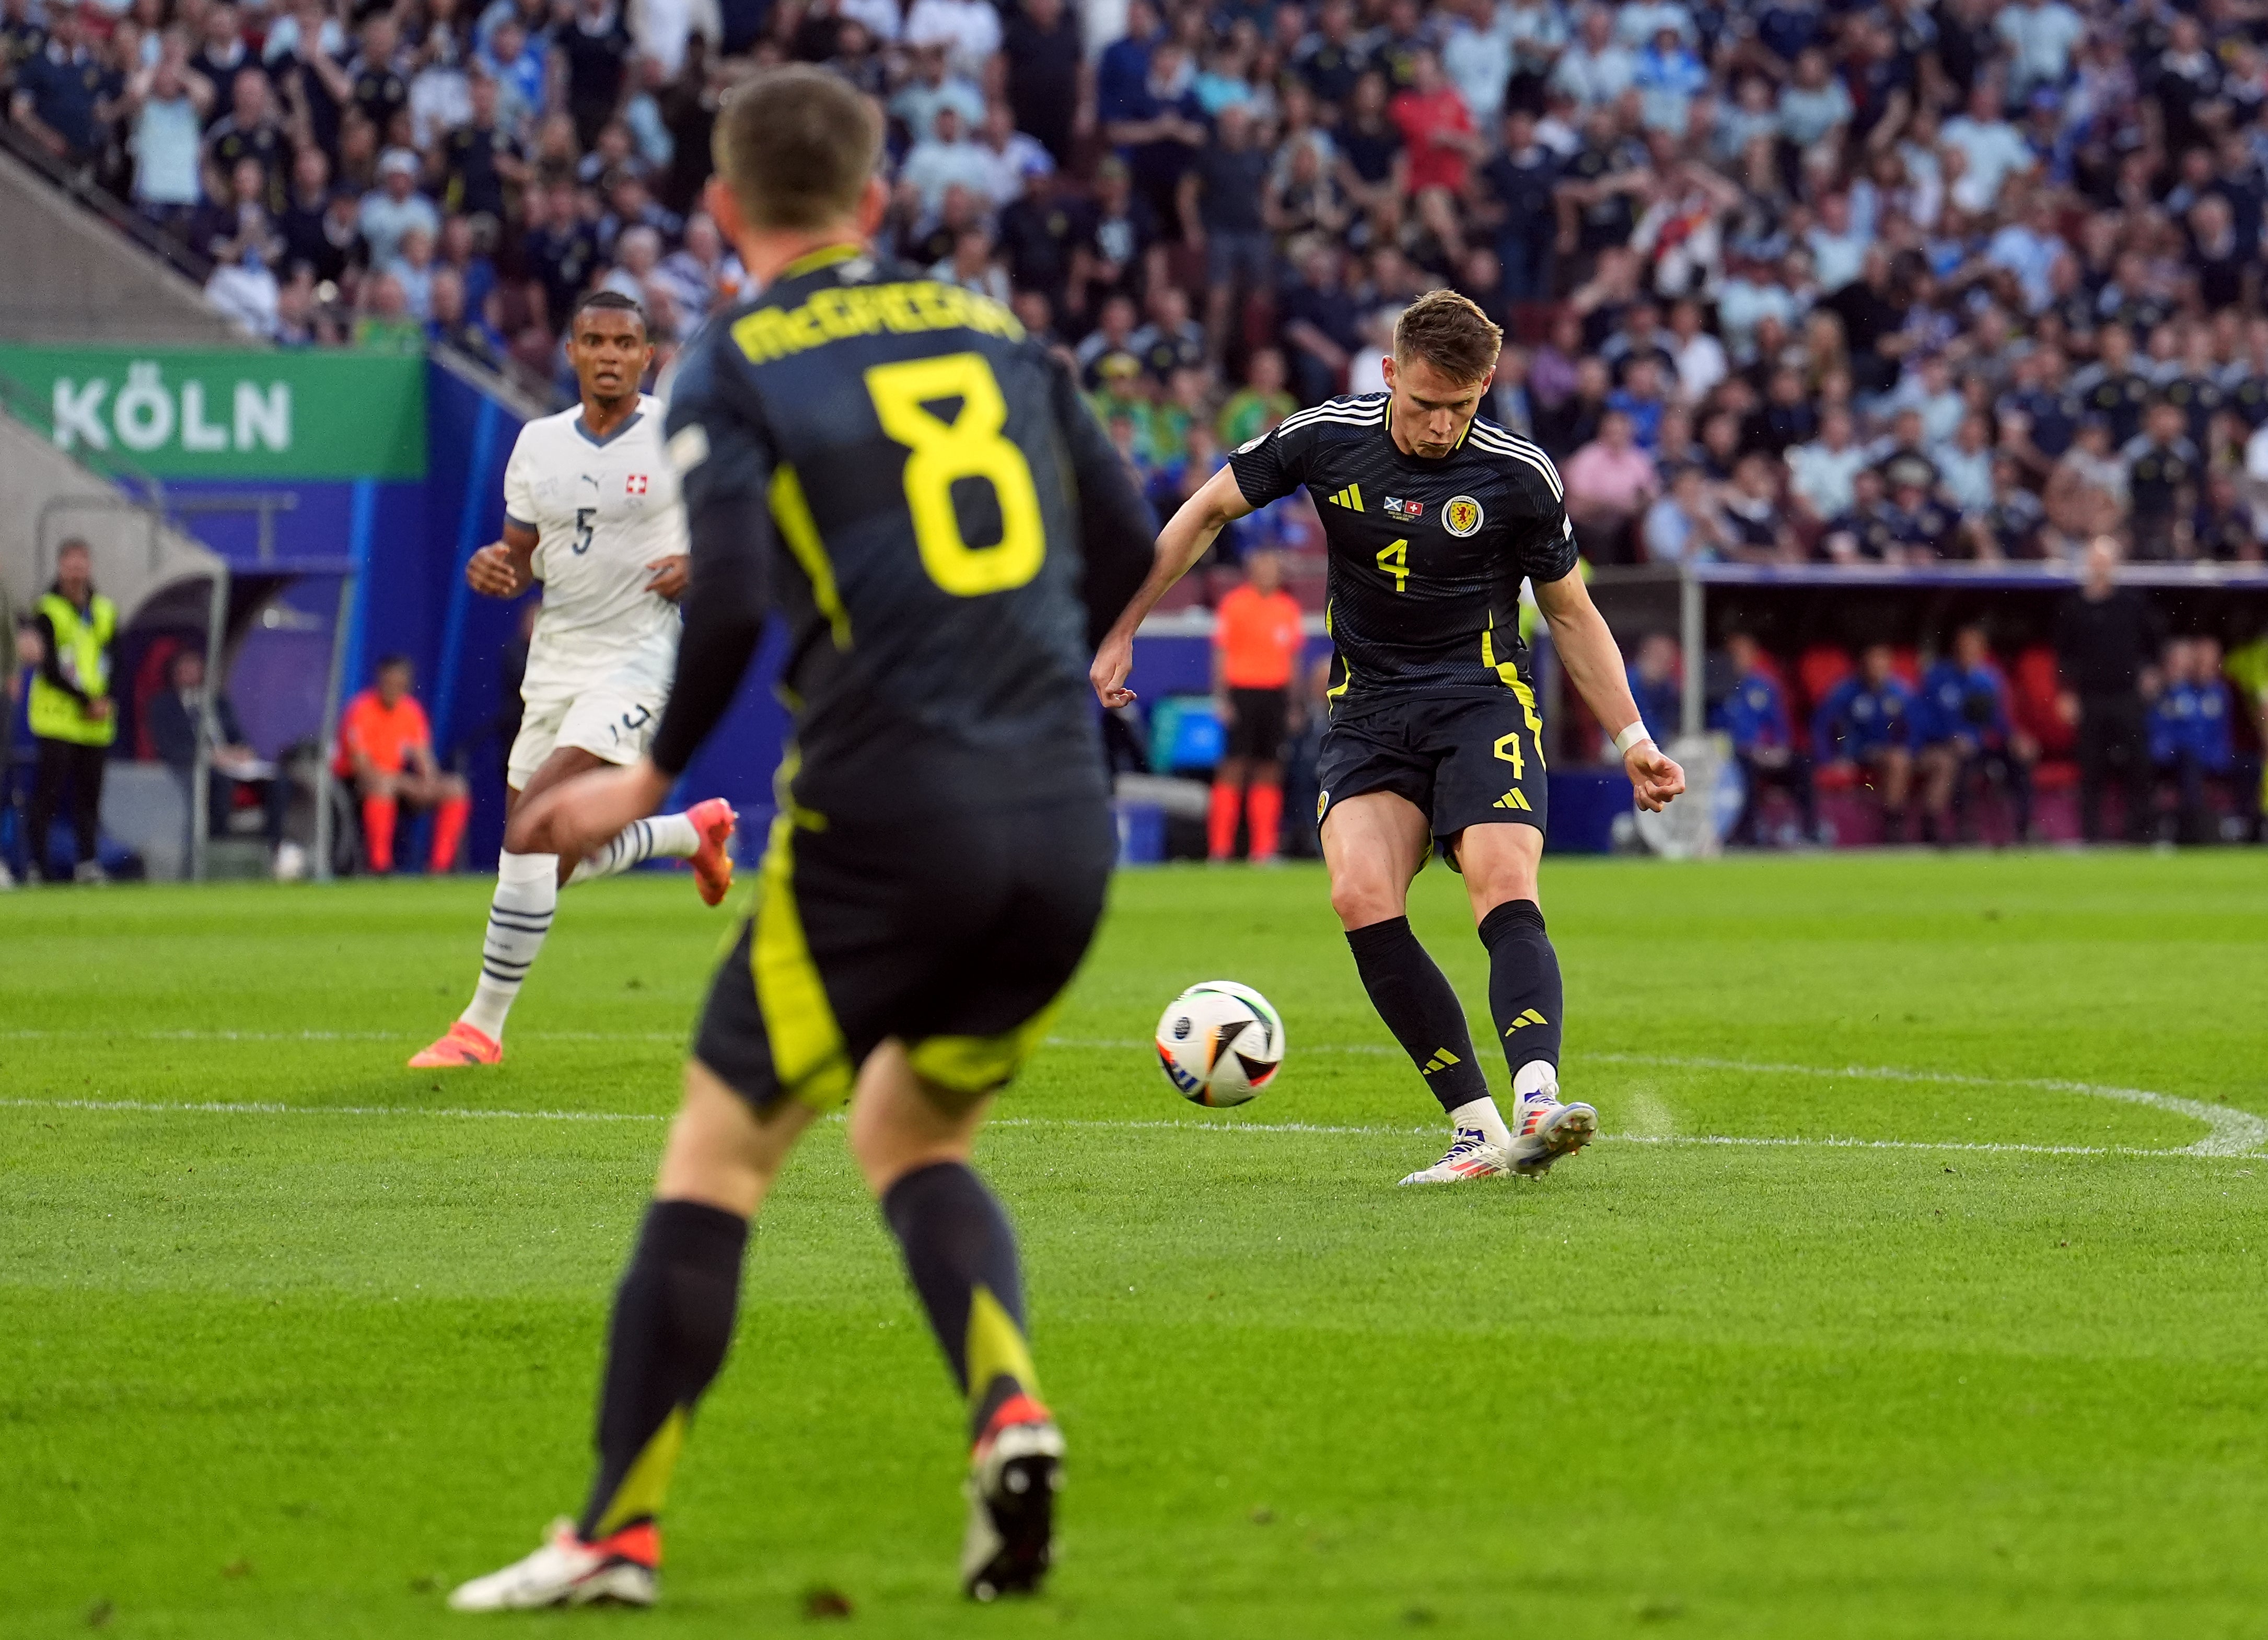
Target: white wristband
<point x="1632" y="736"/>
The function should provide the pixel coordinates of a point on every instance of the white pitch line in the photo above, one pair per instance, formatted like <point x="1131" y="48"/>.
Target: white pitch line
<point x="2231" y="1132"/>
<point x="1161" y="1124"/>
<point x="2228" y="1132"/>
<point x="216" y="1108"/>
<point x="326" y="1036"/>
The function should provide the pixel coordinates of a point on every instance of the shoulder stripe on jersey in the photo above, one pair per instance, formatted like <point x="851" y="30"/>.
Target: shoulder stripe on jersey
<point x="1518" y="452"/>
<point x="1327" y="411"/>
<point x="1318" y="421"/>
<point x="1490" y="432"/>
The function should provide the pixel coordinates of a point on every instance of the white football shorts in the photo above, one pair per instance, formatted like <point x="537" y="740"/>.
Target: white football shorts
<point x="613" y="719"/>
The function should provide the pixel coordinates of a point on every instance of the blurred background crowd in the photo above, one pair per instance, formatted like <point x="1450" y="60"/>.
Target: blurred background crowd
<point x="1782" y="279"/>
<point x="1785" y="282"/>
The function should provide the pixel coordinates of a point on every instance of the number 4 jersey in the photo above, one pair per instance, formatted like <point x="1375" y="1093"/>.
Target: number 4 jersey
<point x="602" y="510"/>
<point x="915" y="487"/>
<point x="1426" y="557"/>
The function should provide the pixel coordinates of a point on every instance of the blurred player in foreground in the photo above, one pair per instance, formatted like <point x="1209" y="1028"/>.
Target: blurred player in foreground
<point x="910" y="480"/>
<point x="1434" y="516"/>
<point x="591" y="509"/>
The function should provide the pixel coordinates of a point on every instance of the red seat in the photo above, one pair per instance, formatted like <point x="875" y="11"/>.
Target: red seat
<point x="2034" y="697"/>
<point x="1819" y="670"/>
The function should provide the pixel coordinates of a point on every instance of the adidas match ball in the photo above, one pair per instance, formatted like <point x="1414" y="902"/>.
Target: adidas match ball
<point x="1220" y="1044"/>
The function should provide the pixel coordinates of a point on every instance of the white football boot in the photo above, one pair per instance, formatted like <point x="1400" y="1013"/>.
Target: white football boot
<point x="1014" y="1477"/>
<point x="567" y="1571"/>
<point x="1470" y="1156"/>
<point x="1544" y="1130"/>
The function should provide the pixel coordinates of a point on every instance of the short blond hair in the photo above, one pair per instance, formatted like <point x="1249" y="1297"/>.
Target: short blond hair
<point x="1450" y="333"/>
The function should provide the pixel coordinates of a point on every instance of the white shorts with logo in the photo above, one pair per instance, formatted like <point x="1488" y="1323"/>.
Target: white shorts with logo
<point x="614" y="718"/>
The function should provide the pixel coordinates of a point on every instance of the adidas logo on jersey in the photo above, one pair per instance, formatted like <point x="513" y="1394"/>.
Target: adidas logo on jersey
<point x="1512" y="799"/>
<point x="1528" y="1016"/>
<point x="1442" y="1060"/>
<point x="1351" y="498"/>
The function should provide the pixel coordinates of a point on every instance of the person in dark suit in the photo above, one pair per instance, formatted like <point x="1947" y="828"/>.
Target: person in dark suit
<point x="173" y="731"/>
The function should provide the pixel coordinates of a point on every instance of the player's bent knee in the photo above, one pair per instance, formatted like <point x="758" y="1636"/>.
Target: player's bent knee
<point x="723" y="1151"/>
<point x="900" y="1122"/>
<point x="1360" y="900"/>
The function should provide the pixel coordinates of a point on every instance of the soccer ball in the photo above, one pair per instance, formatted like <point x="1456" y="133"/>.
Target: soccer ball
<point x="1220" y="1044"/>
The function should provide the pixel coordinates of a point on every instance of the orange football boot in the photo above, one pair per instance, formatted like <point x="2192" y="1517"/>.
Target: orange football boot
<point x="462" y="1046"/>
<point x="712" y="867"/>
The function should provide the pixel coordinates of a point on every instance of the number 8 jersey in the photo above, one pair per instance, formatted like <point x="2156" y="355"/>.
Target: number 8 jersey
<point x="1426" y="557"/>
<point x="602" y="510"/>
<point x="928" y="472"/>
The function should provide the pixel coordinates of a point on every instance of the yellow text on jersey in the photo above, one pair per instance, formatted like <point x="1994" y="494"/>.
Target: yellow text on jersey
<point x="861" y="309"/>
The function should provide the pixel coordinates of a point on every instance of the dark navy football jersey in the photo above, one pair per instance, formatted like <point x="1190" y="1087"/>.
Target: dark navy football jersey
<point x="1426" y="557"/>
<point x="930" y="473"/>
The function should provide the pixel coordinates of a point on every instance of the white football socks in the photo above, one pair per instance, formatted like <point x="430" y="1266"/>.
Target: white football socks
<point x="663" y="837"/>
<point x="527" y="895"/>
<point x="1538" y="1078"/>
<point x="1482" y="1113"/>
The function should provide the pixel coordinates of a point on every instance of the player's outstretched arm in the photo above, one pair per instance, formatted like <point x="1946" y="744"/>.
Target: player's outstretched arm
<point x="1587" y="648"/>
<point x="1180" y="545"/>
<point x="504" y="569"/>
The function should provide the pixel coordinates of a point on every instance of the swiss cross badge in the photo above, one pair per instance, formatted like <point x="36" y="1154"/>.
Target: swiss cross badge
<point x="635" y="484"/>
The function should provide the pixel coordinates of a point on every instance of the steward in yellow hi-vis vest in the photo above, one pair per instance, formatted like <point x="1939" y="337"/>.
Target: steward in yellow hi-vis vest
<point x="64" y="708"/>
<point x="72" y="715"/>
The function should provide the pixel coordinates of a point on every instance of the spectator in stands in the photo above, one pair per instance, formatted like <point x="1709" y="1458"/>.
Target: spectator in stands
<point x="2162" y="472"/>
<point x="1758" y="529"/>
<point x="394" y="207"/>
<point x="1821" y="473"/>
<point x="1963" y="728"/>
<point x="1754" y="715"/>
<point x="1685" y="523"/>
<point x="1257" y="640"/>
<point x="73" y="713"/>
<point x="65" y="95"/>
<point x="1610" y="483"/>
<point x="177" y="726"/>
<point x="1865" y="725"/>
<point x="1322" y="323"/>
<point x="2106" y="636"/>
<point x="386" y="748"/>
<point x="1220" y="202"/>
<point x="1257" y="406"/>
<point x="167" y="102"/>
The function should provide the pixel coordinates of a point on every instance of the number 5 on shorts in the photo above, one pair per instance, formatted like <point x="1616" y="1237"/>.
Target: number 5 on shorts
<point x="967" y="445"/>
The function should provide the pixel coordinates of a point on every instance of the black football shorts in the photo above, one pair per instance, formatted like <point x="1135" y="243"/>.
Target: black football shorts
<point x="954" y="930"/>
<point x="1467" y="759"/>
<point x="1262" y="718"/>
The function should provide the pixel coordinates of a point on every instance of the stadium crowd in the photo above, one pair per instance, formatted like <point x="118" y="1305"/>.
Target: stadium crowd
<point x="1782" y="279"/>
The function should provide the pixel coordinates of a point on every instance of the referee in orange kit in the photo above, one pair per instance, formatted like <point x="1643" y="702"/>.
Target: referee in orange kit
<point x="1256" y="653"/>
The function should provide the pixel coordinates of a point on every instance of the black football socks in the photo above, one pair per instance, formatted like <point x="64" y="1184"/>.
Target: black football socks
<point x="1414" y="997"/>
<point x="672" y="1323"/>
<point x="1523" y="986"/>
<point x="960" y="1253"/>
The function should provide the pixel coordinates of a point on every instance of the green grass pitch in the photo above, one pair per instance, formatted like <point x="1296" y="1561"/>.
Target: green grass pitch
<point x="1971" y="1344"/>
